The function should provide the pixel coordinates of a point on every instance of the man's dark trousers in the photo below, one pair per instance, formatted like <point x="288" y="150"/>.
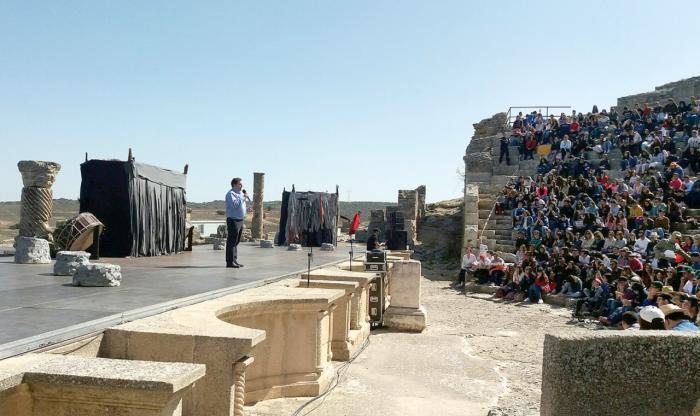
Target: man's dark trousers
<point x="235" y="230"/>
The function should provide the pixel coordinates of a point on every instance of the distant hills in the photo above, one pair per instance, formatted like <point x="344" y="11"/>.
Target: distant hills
<point x="66" y="208"/>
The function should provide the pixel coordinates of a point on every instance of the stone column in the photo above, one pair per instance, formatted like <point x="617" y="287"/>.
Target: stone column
<point x="258" y="190"/>
<point x="471" y="217"/>
<point x="37" y="198"/>
<point x="239" y="368"/>
<point x="421" y="201"/>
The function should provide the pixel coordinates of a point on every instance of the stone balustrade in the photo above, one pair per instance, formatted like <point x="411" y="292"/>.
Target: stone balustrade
<point x="341" y="345"/>
<point x="286" y="332"/>
<point x="359" y="313"/>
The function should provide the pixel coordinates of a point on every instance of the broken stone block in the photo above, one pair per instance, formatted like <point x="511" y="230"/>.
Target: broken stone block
<point x="102" y="274"/>
<point x="31" y="250"/>
<point x="219" y="244"/>
<point x="327" y="247"/>
<point x="68" y="261"/>
<point x="266" y="244"/>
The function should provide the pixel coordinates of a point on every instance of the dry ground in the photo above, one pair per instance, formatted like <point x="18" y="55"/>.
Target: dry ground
<point x="477" y="357"/>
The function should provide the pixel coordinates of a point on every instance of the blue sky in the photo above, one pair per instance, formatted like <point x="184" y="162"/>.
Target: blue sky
<point x="374" y="96"/>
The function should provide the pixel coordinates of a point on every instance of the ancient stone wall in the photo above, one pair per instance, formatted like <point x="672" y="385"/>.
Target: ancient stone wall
<point x="483" y="150"/>
<point x="680" y="91"/>
<point x="408" y="205"/>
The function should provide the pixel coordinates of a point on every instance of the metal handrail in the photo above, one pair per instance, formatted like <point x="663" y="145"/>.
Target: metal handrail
<point x="510" y="117"/>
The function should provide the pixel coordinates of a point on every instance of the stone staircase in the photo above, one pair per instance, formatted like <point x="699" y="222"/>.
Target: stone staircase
<point x="498" y="229"/>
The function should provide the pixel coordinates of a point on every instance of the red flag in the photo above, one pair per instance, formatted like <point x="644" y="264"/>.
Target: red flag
<point x="355" y="224"/>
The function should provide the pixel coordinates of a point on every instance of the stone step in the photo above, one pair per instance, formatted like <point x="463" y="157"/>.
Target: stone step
<point x="505" y="242"/>
<point x="483" y="213"/>
<point x="692" y="212"/>
<point x="485" y="204"/>
<point x="488" y="233"/>
<point x="495" y="226"/>
<point x="505" y="248"/>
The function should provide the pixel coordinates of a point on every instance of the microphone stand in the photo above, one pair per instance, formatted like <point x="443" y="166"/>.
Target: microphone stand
<point x="352" y="252"/>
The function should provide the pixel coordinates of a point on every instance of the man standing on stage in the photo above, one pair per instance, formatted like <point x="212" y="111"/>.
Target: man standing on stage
<point x="235" y="214"/>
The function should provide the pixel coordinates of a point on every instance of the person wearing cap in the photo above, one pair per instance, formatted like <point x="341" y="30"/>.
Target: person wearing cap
<point x="651" y="318"/>
<point x="594" y="299"/>
<point x="676" y="319"/>
<point x="635" y="263"/>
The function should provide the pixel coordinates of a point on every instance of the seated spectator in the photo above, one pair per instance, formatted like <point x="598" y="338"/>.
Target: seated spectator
<point x="651" y="318"/>
<point x="690" y="306"/>
<point x="469" y="263"/>
<point x="676" y="319"/>
<point x="630" y="321"/>
<point x="573" y="288"/>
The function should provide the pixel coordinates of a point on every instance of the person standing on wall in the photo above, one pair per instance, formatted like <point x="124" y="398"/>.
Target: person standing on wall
<point x="235" y="214"/>
<point x="504" y="151"/>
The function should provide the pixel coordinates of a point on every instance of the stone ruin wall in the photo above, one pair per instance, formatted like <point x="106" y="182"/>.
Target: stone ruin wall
<point x="479" y="160"/>
<point x="680" y="91"/>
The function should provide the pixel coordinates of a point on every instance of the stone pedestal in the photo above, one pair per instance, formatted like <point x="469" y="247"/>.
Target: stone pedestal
<point x="258" y="190"/>
<point x="406" y="319"/>
<point x="68" y="261"/>
<point x="405" y="312"/>
<point x="108" y="275"/>
<point x="30" y="250"/>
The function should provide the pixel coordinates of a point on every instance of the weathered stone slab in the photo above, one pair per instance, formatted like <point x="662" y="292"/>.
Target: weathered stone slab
<point x="58" y="385"/>
<point x="31" y="250"/>
<point x="578" y="364"/>
<point x="102" y="274"/>
<point x="68" y="261"/>
<point x="219" y="244"/>
<point x="405" y="319"/>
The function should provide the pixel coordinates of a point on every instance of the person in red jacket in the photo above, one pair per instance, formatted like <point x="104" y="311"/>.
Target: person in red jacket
<point x="530" y="148"/>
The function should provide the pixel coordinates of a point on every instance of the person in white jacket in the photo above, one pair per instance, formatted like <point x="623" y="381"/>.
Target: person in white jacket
<point x="469" y="261"/>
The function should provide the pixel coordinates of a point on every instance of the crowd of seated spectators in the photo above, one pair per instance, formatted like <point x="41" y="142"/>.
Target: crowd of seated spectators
<point x="610" y="244"/>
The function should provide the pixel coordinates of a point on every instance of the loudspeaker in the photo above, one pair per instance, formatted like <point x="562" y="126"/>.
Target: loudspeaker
<point x="398" y="240"/>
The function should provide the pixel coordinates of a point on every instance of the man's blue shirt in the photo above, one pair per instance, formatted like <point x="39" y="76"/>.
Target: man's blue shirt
<point x="235" y="205"/>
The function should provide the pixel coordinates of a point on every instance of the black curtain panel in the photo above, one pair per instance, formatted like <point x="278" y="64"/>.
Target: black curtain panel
<point x="143" y="207"/>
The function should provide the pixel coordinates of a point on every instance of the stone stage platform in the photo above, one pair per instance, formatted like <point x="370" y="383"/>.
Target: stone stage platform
<point x="38" y="309"/>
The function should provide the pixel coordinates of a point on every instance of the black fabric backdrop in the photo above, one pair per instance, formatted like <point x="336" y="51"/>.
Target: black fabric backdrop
<point x="300" y="221"/>
<point x="142" y="207"/>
